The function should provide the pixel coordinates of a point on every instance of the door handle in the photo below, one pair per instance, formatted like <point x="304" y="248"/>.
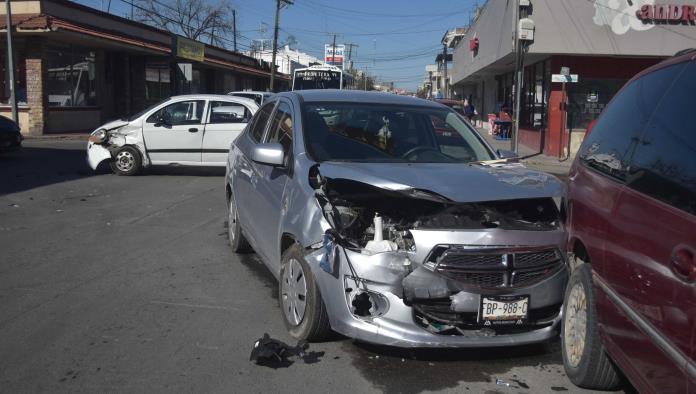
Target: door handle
<point x="683" y="264"/>
<point x="193" y="130"/>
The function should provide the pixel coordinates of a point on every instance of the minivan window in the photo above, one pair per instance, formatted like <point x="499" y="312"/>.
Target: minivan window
<point x="611" y="143"/>
<point x="664" y="165"/>
<point x="260" y="121"/>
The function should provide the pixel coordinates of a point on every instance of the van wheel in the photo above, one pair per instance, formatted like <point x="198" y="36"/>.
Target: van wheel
<point x="584" y="356"/>
<point x="304" y="312"/>
<point x="238" y="243"/>
<point x="127" y="161"/>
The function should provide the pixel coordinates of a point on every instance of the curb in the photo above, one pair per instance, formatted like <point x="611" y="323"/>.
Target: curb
<point x="52" y="137"/>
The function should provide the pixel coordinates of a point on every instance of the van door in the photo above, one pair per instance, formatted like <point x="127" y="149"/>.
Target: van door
<point x="226" y="120"/>
<point x="174" y="133"/>
<point x="652" y="242"/>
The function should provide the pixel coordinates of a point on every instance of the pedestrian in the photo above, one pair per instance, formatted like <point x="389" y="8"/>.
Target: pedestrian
<point x="469" y="110"/>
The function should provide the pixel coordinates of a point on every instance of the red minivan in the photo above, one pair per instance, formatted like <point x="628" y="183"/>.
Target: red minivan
<point x="630" y="304"/>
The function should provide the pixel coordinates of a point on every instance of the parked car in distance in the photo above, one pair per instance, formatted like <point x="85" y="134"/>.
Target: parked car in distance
<point x="381" y="230"/>
<point x="259" y="97"/>
<point x="10" y="135"/>
<point x="193" y="130"/>
<point x="631" y="304"/>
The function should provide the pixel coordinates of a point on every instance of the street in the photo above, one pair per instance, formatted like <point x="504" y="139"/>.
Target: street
<point x="127" y="284"/>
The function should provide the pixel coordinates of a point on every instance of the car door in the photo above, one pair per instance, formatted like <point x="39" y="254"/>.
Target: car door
<point x="174" y="132"/>
<point x="270" y="187"/>
<point x="646" y="231"/>
<point x="246" y="175"/>
<point x="225" y="121"/>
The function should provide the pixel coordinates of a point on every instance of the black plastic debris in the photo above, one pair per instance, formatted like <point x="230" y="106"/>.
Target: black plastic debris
<point x="273" y="353"/>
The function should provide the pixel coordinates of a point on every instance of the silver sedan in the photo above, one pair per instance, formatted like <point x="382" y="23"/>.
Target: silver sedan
<point x="390" y="220"/>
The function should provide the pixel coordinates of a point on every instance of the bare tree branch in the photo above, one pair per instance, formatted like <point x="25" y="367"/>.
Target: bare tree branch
<point x="194" y="19"/>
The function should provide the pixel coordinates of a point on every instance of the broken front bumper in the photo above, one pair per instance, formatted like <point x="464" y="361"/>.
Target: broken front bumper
<point x="392" y="321"/>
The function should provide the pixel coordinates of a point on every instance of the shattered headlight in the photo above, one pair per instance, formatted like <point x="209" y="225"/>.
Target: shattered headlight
<point x="98" y="136"/>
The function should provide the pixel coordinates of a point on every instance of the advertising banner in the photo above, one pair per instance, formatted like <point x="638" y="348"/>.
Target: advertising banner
<point x="337" y="58"/>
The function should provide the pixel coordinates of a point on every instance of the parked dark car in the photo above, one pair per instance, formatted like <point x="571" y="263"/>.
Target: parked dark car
<point x="631" y="304"/>
<point x="10" y="137"/>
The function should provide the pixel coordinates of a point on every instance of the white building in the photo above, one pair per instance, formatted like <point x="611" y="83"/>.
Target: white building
<point x="287" y="60"/>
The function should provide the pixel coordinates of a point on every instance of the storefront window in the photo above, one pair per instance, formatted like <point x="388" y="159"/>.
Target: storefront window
<point x="71" y="77"/>
<point x="587" y="99"/>
<point x="157" y="82"/>
<point x="534" y="96"/>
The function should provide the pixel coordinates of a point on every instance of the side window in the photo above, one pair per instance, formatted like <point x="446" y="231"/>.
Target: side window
<point x="181" y="113"/>
<point x="664" y="163"/>
<point x="609" y="146"/>
<point x="260" y="121"/>
<point x="227" y="112"/>
<point x="281" y="128"/>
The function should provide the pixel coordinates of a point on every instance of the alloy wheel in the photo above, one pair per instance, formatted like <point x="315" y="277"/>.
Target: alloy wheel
<point x="232" y="220"/>
<point x="294" y="292"/>
<point x="575" y="325"/>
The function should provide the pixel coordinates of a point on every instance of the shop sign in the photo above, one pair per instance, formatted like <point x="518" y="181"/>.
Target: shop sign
<point x="571" y="78"/>
<point x="189" y="49"/>
<point x="673" y="13"/>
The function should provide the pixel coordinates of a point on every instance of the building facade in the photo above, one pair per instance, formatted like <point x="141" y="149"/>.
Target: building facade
<point x="77" y="67"/>
<point x="603" y="42"/>
<point x="287" y="59"/>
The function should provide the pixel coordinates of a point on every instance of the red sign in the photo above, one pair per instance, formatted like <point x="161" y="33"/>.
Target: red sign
<point x="667" y="13"/>
<point x="474" y="44"/>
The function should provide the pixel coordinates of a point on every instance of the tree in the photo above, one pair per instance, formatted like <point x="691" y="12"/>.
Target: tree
<point x="195" y="19"/>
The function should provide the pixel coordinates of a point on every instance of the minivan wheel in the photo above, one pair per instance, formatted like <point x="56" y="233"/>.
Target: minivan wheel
<point x="126" y="161"/>
<point x="304" y="312"/>
<point x="238" y="243"/>
<point x="584" y="356"/>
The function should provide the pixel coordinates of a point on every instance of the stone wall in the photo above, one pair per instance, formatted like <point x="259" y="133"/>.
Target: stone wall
<point x="36" y="83"/>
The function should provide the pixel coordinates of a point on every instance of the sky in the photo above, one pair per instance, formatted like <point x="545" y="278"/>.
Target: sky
<point x="395" y="39"/>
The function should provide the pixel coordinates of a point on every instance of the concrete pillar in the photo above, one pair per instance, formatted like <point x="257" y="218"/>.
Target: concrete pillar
<point x="37" y="95"/>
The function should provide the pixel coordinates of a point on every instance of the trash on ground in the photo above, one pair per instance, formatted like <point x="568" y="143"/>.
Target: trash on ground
<point x="273" y="353"/>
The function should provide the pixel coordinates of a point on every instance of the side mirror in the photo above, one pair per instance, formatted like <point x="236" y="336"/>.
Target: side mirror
<point x="271" y="154"/>
<point x="506" y="154"/>
<point x="163" y="119"/>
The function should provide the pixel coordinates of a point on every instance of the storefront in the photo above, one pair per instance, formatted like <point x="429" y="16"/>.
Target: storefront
<point x="77" y="67"/>
<point x="604" y="43"/>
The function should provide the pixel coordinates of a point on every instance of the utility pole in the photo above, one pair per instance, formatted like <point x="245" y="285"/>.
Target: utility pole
<point x="10" y="62"/>
<point x="444" y="69"/>
<point x="514" y="142"/>
<point x="279" y="5"/>
<point x="234" y="29"/>
<point x="350" y="54"/>
<point x="333" y="52"/>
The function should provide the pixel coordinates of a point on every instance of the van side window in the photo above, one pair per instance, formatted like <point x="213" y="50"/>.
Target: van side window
<point x="664" y="165"/>
<point x="611" y="142"/>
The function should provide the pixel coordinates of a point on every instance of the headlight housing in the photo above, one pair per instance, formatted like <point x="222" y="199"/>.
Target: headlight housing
<point x="98" y="136"/>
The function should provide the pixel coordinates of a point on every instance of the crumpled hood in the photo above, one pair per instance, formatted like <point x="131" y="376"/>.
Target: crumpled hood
<point x="456" y="182"/>
<point x="114" y="124"/>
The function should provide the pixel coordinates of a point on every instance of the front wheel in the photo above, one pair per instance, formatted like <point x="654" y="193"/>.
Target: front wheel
<point x="303" y="309"/>
<point x="584" y="356"/>
<point x="127" y="161"/>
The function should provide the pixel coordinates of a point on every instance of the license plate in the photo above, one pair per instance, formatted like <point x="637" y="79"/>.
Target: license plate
<point x="504" y="308"/>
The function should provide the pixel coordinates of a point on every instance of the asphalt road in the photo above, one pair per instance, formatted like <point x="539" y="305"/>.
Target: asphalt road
<point x="126" y="284"/>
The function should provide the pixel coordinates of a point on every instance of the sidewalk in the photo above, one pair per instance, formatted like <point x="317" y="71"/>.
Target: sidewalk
<point x="58" y="136"/>
<point x="539" y="162"/>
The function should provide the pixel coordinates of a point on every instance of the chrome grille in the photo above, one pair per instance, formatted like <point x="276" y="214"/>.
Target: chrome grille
<point x="495" y="268"/>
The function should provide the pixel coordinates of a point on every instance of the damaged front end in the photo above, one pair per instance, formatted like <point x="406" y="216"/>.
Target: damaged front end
<point x="106" y="140"/>
<point x="411" y="268"/>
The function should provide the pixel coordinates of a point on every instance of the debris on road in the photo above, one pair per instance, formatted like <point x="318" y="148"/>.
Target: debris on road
<point x="275" y="354"/>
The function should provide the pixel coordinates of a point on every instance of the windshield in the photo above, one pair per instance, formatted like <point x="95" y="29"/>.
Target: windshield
<point x="316" y="79"/>
<point x="374" y="133"/>
<point x="141" y="113"/>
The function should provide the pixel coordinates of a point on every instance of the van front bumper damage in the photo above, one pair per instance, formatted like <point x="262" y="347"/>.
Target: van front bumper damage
<point x="406" y="299"/>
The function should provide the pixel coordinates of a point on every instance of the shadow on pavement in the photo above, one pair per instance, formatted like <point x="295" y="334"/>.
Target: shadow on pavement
<point x="34" y="167"/>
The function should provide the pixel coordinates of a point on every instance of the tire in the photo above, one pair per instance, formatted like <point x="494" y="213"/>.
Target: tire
<point x="584" y="356"/>
<point x="127" y="161"/>
<point x="235" y="236"/>
<point x="306" y="320"/>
